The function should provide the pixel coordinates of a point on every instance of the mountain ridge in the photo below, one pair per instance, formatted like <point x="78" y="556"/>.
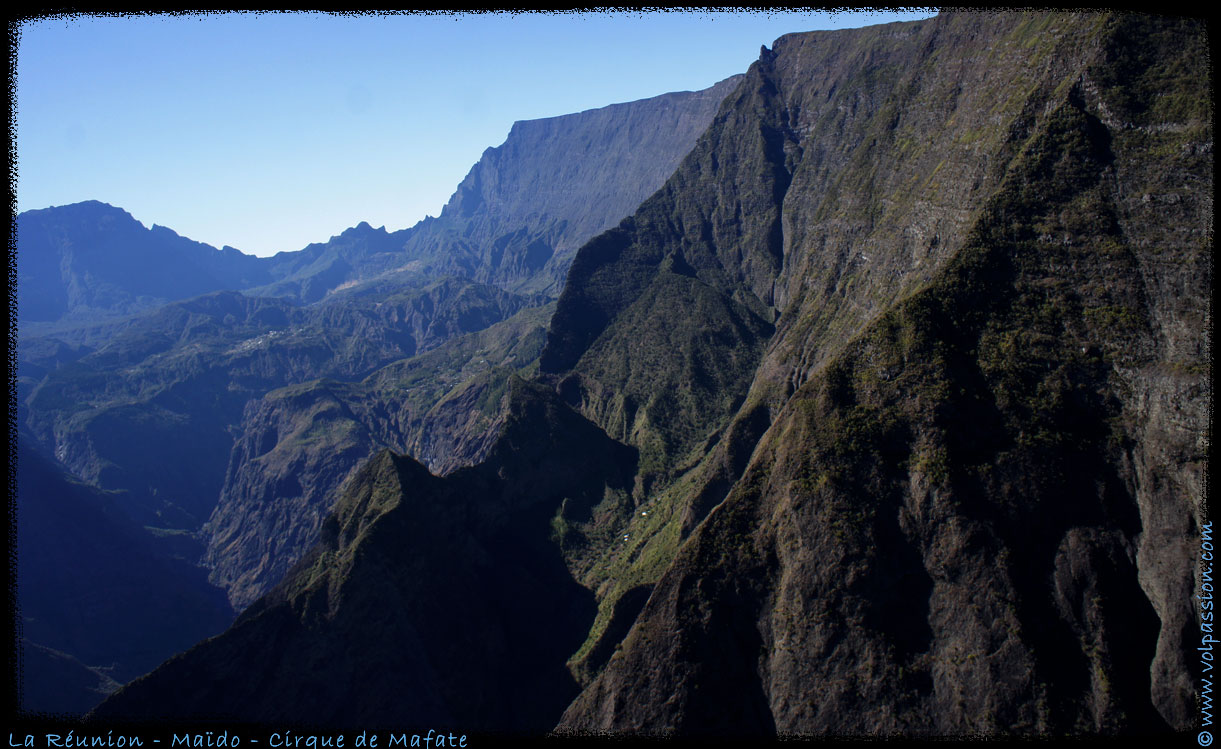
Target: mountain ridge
<point x="149" y="396"/>
<point x="60" y="285"/>
<point x="477" y="511"/>
<point x="624" y="696"/>
<point x="941" y="480"/>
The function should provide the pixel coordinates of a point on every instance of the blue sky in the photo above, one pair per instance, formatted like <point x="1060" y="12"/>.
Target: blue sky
<point x="270" y="131"/>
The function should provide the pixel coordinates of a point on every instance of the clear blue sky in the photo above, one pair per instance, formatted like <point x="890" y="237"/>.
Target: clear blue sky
<point x="270" y="131"/>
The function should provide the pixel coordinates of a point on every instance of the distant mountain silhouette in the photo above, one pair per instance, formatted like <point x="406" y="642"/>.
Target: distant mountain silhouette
<point x="86" y="259"/>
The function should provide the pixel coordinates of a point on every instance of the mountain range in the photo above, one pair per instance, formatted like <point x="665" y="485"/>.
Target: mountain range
<point x="884" y="411"/>
<point x="164" y="394"/>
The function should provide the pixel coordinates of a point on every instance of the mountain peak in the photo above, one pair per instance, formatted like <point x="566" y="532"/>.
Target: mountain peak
<point x="363" y="229"/>
<point x="85" y="209"/>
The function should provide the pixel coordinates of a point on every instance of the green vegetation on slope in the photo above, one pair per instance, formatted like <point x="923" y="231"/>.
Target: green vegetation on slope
<point x="942" y="530"/>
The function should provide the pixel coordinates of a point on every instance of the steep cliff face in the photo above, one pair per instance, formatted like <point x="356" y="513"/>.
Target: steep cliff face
<point x="953" y="521"/>
<point x="843" y="173"/>
<point x="527" y="205"/>
<point x="894" y="401"/>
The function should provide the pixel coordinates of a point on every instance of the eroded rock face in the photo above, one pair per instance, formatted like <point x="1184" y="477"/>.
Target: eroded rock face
<point x="514" y="222"/>
<point x="952" y="523"/>
<point x="299" y="445"/>
<point x="893" y="401"/>
<point x="525" y="208"/>
<point x="478" y="648"/>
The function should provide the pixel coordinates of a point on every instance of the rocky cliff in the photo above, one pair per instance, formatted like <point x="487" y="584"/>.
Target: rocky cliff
<point x="297" y="446"/>
<point x="938" y="509"/>
<point x="143" y="387"/>
<point x="894" y="406"/>
<point x="528" y="204"/>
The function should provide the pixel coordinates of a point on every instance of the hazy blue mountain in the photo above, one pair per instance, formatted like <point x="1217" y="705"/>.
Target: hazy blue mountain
<point x="81" y="261"/>
<point x="526" y="204"/>
<point x="355" y="254"/>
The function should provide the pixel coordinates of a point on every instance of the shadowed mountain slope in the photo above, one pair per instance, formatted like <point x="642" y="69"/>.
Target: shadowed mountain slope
<point x="954" y="521"/>
<point x="424" y="639"/>
<point x="144" y="357"/>
<point x="907" y="363"/>
<point x="101" y="600"/>
<point x="299" y="444"/>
